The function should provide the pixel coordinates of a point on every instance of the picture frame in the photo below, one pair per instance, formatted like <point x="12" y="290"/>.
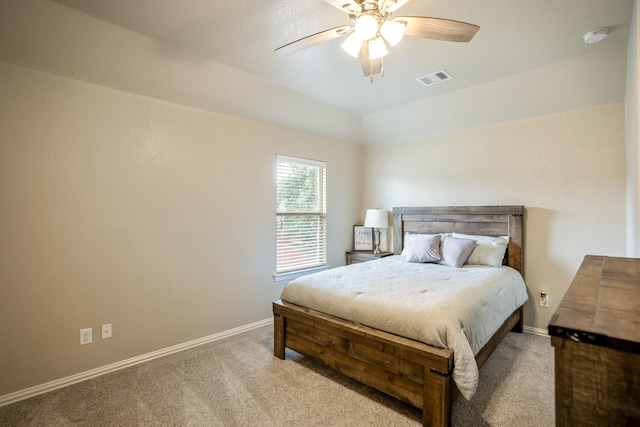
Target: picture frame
<point x="362" y="238"/>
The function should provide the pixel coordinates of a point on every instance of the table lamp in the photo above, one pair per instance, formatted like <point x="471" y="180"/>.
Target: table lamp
<point x="376" y="219"/>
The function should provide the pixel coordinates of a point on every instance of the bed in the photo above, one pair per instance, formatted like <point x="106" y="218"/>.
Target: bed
<point x="405" y="368"/>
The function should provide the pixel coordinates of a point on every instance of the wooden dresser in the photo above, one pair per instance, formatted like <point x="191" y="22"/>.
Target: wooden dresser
<point x="596" y="336"/>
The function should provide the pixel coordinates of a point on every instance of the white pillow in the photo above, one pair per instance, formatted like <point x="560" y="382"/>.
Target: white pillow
<point x="488" y="251"/>
<point x="421" y="247"/>
<point x="408" y="237"/>
<point x="455" y="251"/>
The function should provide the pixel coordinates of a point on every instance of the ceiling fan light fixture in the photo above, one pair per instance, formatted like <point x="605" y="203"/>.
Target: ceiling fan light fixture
<point x="350" y="8"/>
<point x="377" y="48"/>
<point x="385" y="4"/>
<point x="392" y="31"/>
<point x="366" y="26"/>
<point x="373" y="28"/>
<point x="352" y="44"/>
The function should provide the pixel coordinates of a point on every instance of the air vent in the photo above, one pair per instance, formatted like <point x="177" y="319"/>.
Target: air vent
<point x="433" y="78"/>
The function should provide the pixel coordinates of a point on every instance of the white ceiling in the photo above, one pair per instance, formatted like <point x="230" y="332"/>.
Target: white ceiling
<point x="515" y="36"/>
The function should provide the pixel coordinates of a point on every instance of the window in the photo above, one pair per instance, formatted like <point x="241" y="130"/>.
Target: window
<point x="301" y="215"/>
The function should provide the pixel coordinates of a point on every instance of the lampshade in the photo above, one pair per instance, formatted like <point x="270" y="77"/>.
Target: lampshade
<point x="376" y="218"/>
<point x="366" y="27"/>
<point x="392" y="31"/>
<point x="352" y="45"/>
<point x="377" y="48"/>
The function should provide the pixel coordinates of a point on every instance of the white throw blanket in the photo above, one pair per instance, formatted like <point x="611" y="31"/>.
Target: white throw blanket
<point x="454" y="308"/>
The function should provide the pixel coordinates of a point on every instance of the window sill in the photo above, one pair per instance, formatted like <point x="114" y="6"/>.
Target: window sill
<point x="290" y="275"/>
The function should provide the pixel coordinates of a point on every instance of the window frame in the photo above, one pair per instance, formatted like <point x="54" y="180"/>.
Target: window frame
<point x="290" y="272"/>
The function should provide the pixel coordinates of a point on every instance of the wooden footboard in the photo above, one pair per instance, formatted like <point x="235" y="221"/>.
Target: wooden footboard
<point x="406" y="369"/>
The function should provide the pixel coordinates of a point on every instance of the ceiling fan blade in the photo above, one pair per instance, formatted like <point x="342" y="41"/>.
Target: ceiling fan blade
<point x="347" y="6"/>
<point x="437" y="28"/>
<point x="314" y="39"/>
<point x="370" y="67"/>
<point x="391" y="5"/>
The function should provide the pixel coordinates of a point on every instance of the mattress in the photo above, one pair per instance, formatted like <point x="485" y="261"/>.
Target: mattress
<point x="454" y="308"/>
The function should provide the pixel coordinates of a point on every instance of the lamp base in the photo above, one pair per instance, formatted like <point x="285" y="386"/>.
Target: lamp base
<point x="376" y="234"/>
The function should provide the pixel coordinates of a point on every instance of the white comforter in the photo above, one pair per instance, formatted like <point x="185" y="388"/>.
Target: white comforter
<point x="454" y="308"/>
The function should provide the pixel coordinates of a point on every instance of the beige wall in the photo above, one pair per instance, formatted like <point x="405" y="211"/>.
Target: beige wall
<point x="633" y="137"/>
<point x="46" y="36"/>
<point x="552" y="89"/>
<point x="158" y="218"/>
<point x="567" y="169"/>
<point x="154" y="217"/>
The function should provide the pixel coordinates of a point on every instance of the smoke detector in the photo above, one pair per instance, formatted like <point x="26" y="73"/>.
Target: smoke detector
<point x="594" y="36"/>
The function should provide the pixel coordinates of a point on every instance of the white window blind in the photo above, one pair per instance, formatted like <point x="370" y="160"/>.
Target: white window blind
<point x="301" y="214"/>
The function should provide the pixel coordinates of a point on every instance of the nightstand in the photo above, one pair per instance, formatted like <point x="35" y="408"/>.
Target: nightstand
<point x="354" y="257"/>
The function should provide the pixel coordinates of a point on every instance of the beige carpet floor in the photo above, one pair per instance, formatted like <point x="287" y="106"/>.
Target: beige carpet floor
<point x="237" y="382"/>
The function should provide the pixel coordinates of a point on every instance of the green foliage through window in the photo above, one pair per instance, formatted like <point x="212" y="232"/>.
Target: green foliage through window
<point x="301" y="214"/>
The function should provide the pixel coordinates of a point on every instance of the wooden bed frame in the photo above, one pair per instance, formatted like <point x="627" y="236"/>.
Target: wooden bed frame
<point x="406" y="369"/>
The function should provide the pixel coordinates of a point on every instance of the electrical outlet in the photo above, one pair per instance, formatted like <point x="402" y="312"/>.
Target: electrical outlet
<point x="544" y="299"/>
<point x="106" y="331"/>
<point x="86" y="336"/>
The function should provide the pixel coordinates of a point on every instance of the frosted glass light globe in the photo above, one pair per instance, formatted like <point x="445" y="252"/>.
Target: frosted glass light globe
<point x="392" y="32"/>
<point x="377" y="48"/>
<point x="352" y="44"/>
<point x="367" y="27"/>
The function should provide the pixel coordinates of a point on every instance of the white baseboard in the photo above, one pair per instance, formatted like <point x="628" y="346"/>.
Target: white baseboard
<point x="535" y="331"/>
<point x="83" y="376"/>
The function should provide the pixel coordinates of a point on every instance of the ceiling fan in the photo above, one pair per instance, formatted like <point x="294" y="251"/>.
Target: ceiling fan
<point x="374" y="28"/>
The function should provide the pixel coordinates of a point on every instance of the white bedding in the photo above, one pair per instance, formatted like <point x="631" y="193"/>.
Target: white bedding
<point x="454" y="308"/>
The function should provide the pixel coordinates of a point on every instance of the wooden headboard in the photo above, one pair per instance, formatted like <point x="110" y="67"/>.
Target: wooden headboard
<point x="477" y="220"/>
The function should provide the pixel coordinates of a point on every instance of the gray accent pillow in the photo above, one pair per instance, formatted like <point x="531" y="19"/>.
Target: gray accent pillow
<point x="455" y="251"/>
<point x="422" y="248"/>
